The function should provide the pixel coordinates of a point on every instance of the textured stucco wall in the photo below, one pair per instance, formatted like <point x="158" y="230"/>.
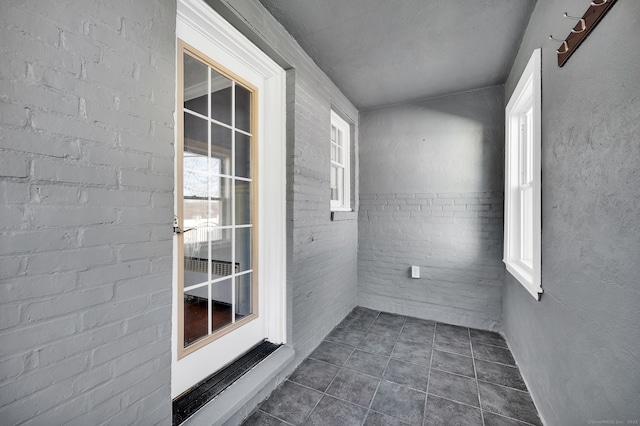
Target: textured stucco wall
<point x="86" y="203"/>
<point x="578" y="348"/>
<point x="431" y="195"/>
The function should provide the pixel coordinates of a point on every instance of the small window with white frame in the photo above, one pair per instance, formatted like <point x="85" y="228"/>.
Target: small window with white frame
<point x="340" y="159"/>
<point x="522" y="225"/>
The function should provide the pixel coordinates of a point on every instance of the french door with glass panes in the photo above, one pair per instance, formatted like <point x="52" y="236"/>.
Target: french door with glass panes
<point x="216" y="213"/>
<point x="230" y="197"/>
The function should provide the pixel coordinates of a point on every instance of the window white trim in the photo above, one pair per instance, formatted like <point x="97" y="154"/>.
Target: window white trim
<point x="341" y="163"/>
<point x="522" y="174"/>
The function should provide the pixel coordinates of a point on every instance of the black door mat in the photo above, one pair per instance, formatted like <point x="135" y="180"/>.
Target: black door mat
<point x="193" y="399"/>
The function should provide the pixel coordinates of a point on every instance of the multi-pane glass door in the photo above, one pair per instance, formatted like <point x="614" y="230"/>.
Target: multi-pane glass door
<point x="217" y="201"/>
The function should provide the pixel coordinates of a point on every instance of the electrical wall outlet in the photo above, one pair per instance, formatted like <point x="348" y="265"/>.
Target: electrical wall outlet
<point x="415" y="271"/>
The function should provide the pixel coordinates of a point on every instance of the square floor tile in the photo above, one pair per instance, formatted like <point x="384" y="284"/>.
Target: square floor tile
<point x="384" y="330"/>
<point x="377" y="419"/>
<point x="411" y="375"/>
<point x="357" y="323"/>
<point x="453" y="387"/>
<point x="487" y="337"/>
<point x="420" y="323"/>
<point x="314" y="374"/>
<point x="400" y="402"/>
<point x="377" y="344"/>
<point x="333" y="353"/>
<point x="390" y="320"/>
<point x="449" y="343"/>
<point x="367" y="363"/>
<point x="415" y="353"/>
<point x="260" y="418"/>
<point x="493" y="354"/>
<point x="413" y="333"/>
<point x="452" y="331"/>
<point x="353" y="387"/>
<point x="360" y="311"/>
<point x="508" y="402"/>
<point x="453" y="363"/>
<point x="500" y="374"/>
<point x="291" y="402"/>
<point x="491" y="419"/>
<point x="443" y="412"/>
<point x="333" y="412"/>
<point x="388" y="362"/>
<point x="345" y="336"/>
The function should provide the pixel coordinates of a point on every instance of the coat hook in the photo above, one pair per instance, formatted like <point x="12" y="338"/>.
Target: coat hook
<point x="582" y="22"/>
<point x="564" y="43"/>
<point x="593" y="3"/>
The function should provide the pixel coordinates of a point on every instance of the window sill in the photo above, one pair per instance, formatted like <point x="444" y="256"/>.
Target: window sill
<point x="524" y="277"/>
<point x="343" y="215"/>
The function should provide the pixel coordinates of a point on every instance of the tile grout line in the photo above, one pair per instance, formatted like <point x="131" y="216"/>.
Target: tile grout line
<point x="275" y="417"/>
<point x="475" y="372"/>
<point x="324" y="393"/>
<point x="366" y="414"/>
<point x="382" y="376"/>
<point x="511" y="418"/>
<point x="368" y="409"/>
<point x="433" y="348"/>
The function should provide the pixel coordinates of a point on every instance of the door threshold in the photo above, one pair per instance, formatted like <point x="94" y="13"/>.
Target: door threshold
<point x="188" y="405"/>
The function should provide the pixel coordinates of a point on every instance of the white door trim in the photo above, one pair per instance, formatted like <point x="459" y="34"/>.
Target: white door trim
<point x="210" y="33"/>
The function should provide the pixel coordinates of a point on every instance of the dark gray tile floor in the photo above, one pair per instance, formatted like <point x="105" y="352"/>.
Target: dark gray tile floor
<point x="377" y="368"/>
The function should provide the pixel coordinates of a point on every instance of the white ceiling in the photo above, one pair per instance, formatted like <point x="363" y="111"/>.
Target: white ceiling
<point x="381" y="52"/>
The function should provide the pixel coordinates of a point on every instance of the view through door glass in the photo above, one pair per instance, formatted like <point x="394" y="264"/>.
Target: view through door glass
<point x="217" y="214"/>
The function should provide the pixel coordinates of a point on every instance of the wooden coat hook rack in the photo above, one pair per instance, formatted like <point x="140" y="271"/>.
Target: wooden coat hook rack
<point x="582" y="29"/>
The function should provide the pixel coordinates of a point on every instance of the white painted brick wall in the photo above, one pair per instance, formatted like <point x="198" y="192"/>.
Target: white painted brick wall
<point x="322" y="254"/>
<point x="86" y="182"/>
<point x="455" y="238"/>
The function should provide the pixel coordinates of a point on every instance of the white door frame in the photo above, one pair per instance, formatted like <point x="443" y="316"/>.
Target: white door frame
<point x="201" y="27"/>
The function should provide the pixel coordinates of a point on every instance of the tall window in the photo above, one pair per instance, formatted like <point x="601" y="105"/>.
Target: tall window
<point x="340" y="159"/>
<point x="522" y="180"/>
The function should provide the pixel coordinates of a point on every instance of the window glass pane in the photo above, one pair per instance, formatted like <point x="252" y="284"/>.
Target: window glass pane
<point x="220" y="192"/>
<point x="221" y="148"/>
<point x="527" y="224"/>
<point x="220" y="253"/>
<point x="220" y="98"/>
<point x="334" y="182"/>
<point x="195" y="242"/>
<point x="333" y="134"/>
<point x="196" y="312"/>
<point x="243" y="108"/>
<point x="340" y="184"/>
<point x="243" y="155"/>
<point x="243" y="249"/>
<point x="195" y="254"/>
<point x="195" y="134"/>
<point x="334" y="150"/>
<point x="243" y="202"/>
<point x="195" y="85"/>
<point x="222" y="314"/>
<point x="529" y="176"/>
<point x="243" y="295"/>
<point x="194" y="161"/>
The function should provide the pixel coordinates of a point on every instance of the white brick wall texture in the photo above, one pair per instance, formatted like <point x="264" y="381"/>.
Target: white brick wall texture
<point x="86" y="183"/>
<point x="321" y="254"/>
<point x="455" y="238"/>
